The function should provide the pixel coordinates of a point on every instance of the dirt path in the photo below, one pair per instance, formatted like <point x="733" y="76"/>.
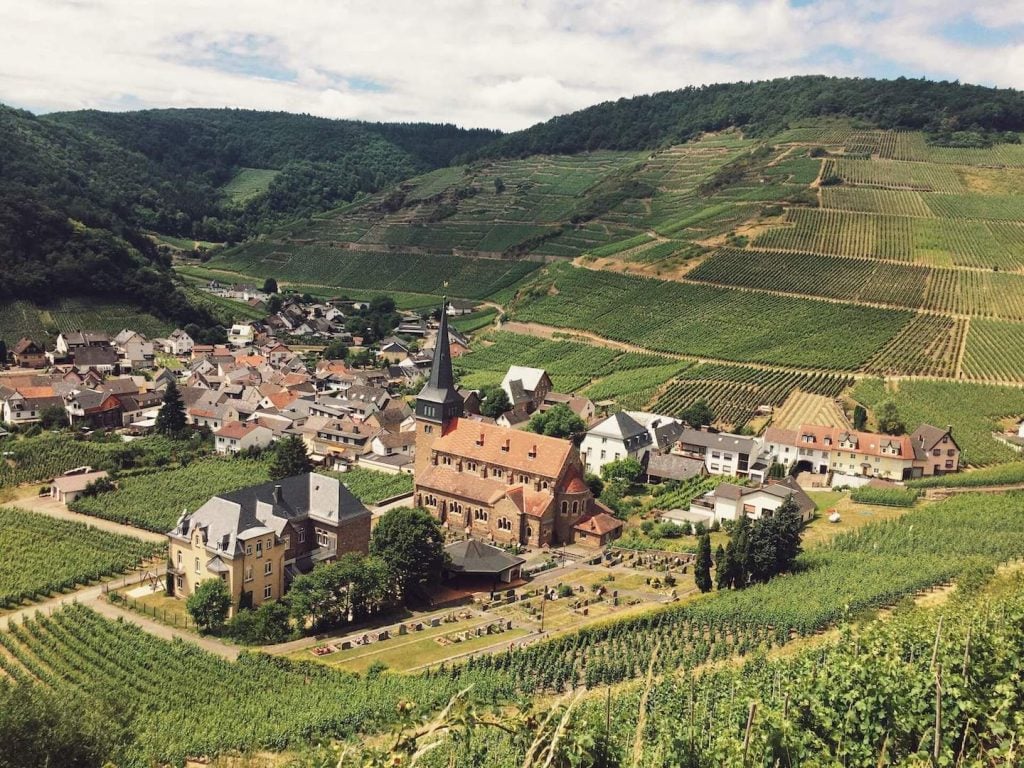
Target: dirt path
<point x="44" y="505"/>
<point x="86" y="595"/>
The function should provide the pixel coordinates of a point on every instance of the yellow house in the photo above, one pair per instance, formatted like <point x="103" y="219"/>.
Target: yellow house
<point x="257" y="538"/>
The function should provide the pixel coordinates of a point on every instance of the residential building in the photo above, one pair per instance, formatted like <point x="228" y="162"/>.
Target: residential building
<point x="526" y="388"/>
<point x="179" y="343"/>
<point x="258" y="538"/>
<point x="617" y="437"/>
<point x="68" y="343"/>
<point x="723" y="453"/>
<point x="236" y="436"/>
<point x="25" y="405"/>
<point x="241" y="335"/>
<point x="728" y="502"/>
<point x="71" y="485"/>
<point x="27" y="354"/>
<point x="822" y="449"/>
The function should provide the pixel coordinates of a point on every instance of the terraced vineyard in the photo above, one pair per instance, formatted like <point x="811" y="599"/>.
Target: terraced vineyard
<point x="995" y="351"/>
<point x="341" y="268"/>
<point x="927" y="346"/>
<point x="806" y="408"/>
<point x="716" y="322"/>
<point x="43" y="556"/>
<point x="571" y="365"/>
<point x="22" y="318"/>
<point x="156" y="501"/>
<point x="735" y="393"/>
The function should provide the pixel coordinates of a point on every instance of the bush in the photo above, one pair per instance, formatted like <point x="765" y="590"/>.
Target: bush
<point x="266" y="625"/>
<point x="564" y="590"/>
<point x="887" y="497"/>
<point x="209" y="604"/>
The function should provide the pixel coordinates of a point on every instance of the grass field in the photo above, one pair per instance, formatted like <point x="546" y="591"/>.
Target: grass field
<point x="248" y="183"/>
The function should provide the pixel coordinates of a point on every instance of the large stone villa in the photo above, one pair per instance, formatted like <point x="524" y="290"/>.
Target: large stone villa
<point x="258" y="538"/>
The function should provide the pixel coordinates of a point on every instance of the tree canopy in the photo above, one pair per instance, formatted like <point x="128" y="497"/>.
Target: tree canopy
<point x="411" y="543"/>
<point x="170" y="419"/>
<point x="557" y="421"/>
<point x="209" y="604"/>
<point x="290" y="458"/>
<point x="493" y="401"/>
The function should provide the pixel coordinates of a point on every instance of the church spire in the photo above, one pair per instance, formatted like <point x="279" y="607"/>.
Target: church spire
<point x="439" y="401"/>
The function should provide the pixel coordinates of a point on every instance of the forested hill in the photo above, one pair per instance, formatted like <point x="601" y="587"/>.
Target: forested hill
<point x="952" y="114"/>
<point x="78" y="190"/>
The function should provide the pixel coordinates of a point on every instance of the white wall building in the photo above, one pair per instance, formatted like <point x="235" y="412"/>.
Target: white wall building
<point x="618" y="436"/>
<point x="236" y="436"/>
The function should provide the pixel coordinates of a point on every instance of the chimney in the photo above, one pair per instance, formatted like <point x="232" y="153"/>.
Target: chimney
<point x="277" y="494"/>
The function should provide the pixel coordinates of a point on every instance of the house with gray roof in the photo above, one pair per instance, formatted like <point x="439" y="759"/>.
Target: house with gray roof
<point x="260" y="537"/>
<point x="617" y="437"/>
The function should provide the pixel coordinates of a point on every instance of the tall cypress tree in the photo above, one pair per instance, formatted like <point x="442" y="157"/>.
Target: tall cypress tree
<point x="725" y="569"/>
<point x="702" y="569"/>
<point x="290" y="459"/>
<point x="170" y="420"/>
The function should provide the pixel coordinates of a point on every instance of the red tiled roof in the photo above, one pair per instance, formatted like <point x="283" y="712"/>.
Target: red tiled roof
<point x="504" y="447"/>
<point x="235" y="430"/>
<point x="599" y="523"/>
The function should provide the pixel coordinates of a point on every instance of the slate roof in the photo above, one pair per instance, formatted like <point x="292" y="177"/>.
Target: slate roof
<point x="228" y="519"/>
<point x="472" y="556"/>
<point x="93" y="356"/>
<point x="669" y="466"/>
<point x="622" y="426"/>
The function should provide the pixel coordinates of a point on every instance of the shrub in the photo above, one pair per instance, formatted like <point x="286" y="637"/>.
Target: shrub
<point x="887" y="497"/>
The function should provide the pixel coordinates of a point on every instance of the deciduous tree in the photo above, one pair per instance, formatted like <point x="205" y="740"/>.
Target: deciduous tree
<point x="411" y="543"/>
<point x="209" y="604"/>
<point x="290" y="459"/>
<point x="559" y="421"/>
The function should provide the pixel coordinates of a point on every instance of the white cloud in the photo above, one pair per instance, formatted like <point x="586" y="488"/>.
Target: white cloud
<point x="476" y="63"/>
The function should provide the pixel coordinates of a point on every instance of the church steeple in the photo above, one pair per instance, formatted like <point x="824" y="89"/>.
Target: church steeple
<point x="438" y="401"/>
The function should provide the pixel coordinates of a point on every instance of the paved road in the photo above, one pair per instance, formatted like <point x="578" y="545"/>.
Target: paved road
<point x="44" y="505"/>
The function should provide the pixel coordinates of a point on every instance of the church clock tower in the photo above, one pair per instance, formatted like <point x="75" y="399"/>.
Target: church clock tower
<point x="438" y="403"/>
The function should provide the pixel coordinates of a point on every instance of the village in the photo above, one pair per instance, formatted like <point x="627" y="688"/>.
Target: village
<point x="526" y="498"/>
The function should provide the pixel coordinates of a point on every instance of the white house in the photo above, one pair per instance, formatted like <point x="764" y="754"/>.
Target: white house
<point x="618" y="436"/>
<point x="236" y="436"/>
<point x="178" y="343"/>
<point x="724" y="453"/>
<point x="71" y="485"/>
<point x="241" y="335"/>
<point x="728" y="501"/>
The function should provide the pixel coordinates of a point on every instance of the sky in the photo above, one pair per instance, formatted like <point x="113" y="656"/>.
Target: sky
<point x="503" y="64"/>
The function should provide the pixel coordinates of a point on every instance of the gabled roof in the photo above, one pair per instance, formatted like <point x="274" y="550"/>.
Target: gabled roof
<point x="620" y="426"/>
<point x="505" y="447"/>
<point x="530" y="378"/>
<point x="600" y="523"/>
<point x="472" y="556"/>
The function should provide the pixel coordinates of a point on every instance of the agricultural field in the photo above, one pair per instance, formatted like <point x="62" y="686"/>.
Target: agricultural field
<point x="22" y="318"/>
<point x="340" y="269"/>
<point x="973" y="410"/>
<point x="155" y="501"/>
<point x="929" y="345"/>
<point x="370" y="486"/>
<point x="572" y="365"/>
<point x="735" y="393"/>
<point x="43" y="556"/>
<point x="716" y="322"/>
<point x="994" y="351"/>
<point x="475" y="321"/>
<point x="248" y="183"/>
<point x="806" y="408"/>
<point x="44" y="456"/>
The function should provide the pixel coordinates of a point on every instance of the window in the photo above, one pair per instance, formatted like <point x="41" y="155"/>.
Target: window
<point x="950" y="452"/>
<point x="268" y="592"/>
<point x="179" y="558"/>
<point x="259" y="549"/>
<point x="323" y="538"/>
<point x="481" y="515"/>
<point x="504" y="524"/>
<point x="178" y="582"/>
<point x="716" y="455"/>
<point x="936" y="452"/>
<point x="268" y="568"/>
<point x="197" y="565"/>
<point x="603" y="454"/>
<point x="287" y="541"/>
<point x="248" y="549"/>
<point x="270" y="543"/>
<point x="498" y="472"/>
<point x="565" y="507"/>
<point x="447" y="461"/>
<point x="302" y="535"/>
<point x="427" y="429"/>
<point x="575" y="507"/>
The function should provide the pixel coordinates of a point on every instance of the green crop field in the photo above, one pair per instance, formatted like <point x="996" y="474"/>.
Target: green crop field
<point x="734" y="393"/>
<point x="43" y="323"/>
<point x="370" y="486"/>
<point x="927" y="346"/>
<point x="155" y="501"/>
<point x="717" y="322"/>
<point x="248" y="183"/>
<point x="994" y="351"/>
<point x="341" y="269"/>
<point x="43" y="556"/>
